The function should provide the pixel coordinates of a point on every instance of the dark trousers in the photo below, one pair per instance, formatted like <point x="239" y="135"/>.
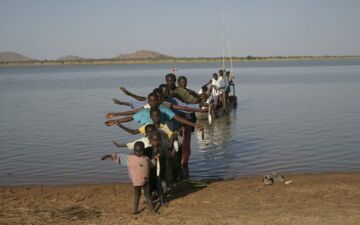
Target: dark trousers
<point x="137" y="189"/>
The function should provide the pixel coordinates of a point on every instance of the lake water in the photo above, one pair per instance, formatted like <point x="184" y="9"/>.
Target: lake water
<point x="296" y="116"/>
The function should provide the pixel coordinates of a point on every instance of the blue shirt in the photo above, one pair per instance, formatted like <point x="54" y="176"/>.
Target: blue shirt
<point x="143" y="116"/>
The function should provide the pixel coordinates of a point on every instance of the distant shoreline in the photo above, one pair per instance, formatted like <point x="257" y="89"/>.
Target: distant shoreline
<point x="168" y="60"/>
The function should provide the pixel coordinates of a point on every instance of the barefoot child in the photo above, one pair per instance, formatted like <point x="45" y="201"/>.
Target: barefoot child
<point x="148" y="129"/>
<point x="139" y="170"/>
<point x="167" y="142"/>
<point x="157" y="154"/>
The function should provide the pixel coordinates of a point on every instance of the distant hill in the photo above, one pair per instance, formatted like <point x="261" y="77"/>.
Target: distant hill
<point x="143" y="54"/>
<point x="13" y="57"/>
<point x="70" y="57"/>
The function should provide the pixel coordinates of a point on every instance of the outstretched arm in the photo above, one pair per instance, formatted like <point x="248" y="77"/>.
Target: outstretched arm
<point x="128" y="93"/>
<point x="184" y="108"/>
<point x="187" y="122"/>
<point x="112" y="157"/>
<point x="193" y="93"/>
<point x="119" y="145"/>
<point x="118" y="158"/>
<point x="125" y="113"/>
<point x="117" y="101"/>
<point x="129" y="130"/>
<point x="110" y="123"/>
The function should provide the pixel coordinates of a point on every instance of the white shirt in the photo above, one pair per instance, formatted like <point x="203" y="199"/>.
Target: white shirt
<point x="214" y="91"/>
<point x="145" y="140"/>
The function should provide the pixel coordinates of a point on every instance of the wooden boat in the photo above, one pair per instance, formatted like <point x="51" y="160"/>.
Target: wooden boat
<point x="231" y="101"/>
<point x="210" y="116"/>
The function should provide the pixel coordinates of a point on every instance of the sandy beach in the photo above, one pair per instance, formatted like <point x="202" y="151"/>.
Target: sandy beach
<point x="332" y="198"/>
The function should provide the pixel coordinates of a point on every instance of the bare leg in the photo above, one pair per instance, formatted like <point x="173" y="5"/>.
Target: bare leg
<point x="186" y="151"/>
<point x="137" y="190"/>
<point x="223" y="101"/>
<point x="160" y="192"/>
<point x="146" y="189"/>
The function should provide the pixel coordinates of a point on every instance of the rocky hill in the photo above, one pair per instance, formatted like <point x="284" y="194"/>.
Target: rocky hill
<point x="70" y="57"/>
<point x="143" y="54"/>
<point x="13" y="57"/>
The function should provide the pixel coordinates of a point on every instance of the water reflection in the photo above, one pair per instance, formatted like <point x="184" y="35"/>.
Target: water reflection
<point x="216" y="134"/>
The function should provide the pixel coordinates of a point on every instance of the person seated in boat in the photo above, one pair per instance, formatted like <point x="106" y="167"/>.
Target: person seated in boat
<point x="207" y="100"/>
<point x="139" y="166"/>
<point x="206" y="89"/>
<point x="205" y="94"/>
<point x="182" y="83"/>
<point x="179" y="92"/>
<point x="148" y="129"/>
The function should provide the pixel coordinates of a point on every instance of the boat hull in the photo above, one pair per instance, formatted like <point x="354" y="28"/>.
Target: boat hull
<point x="231" y="104"/>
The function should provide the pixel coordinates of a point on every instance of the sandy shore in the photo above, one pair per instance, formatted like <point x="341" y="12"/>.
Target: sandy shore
<point x="312" y="199"/>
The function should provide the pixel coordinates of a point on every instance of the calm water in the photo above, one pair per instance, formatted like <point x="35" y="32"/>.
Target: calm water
<point x="291" y="117"/>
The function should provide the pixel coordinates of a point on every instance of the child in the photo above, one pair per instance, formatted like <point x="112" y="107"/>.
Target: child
<point x="168" y="136"/>
<point x="157" y="155"/>
<point x="167" y="142"/>
<point x="139" y="170"/>
<point x="148" y="129"/>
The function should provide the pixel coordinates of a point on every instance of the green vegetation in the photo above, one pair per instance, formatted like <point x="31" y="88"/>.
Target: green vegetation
<point x="166" y="60"/>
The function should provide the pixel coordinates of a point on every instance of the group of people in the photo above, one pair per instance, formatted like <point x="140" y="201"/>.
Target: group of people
<point x="220" y="87"/>
<point x="167" y="120"/>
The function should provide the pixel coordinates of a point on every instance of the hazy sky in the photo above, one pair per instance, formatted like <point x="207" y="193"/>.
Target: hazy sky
<point x="105" y="28"/>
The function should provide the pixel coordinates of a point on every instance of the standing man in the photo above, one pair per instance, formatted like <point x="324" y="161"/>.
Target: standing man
<point x="221" y="88"/>
<point x="185" y="96"/>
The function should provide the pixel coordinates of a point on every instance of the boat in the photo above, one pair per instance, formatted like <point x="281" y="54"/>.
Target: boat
<point x="213" y="113"/>
<point x="231" y="101"/>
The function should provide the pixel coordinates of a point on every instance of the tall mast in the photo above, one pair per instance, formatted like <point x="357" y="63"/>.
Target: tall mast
<point x="223" y="41"/>
<point x="230" y="56"/>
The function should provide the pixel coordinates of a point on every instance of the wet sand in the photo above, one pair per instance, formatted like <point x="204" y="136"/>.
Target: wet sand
<point x="311" y="199"/>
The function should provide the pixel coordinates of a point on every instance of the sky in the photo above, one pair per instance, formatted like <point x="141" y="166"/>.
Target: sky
<point x="49" y="29"/>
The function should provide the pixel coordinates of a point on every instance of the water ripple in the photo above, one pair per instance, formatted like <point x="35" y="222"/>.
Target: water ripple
<point x="289" y="119"/>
